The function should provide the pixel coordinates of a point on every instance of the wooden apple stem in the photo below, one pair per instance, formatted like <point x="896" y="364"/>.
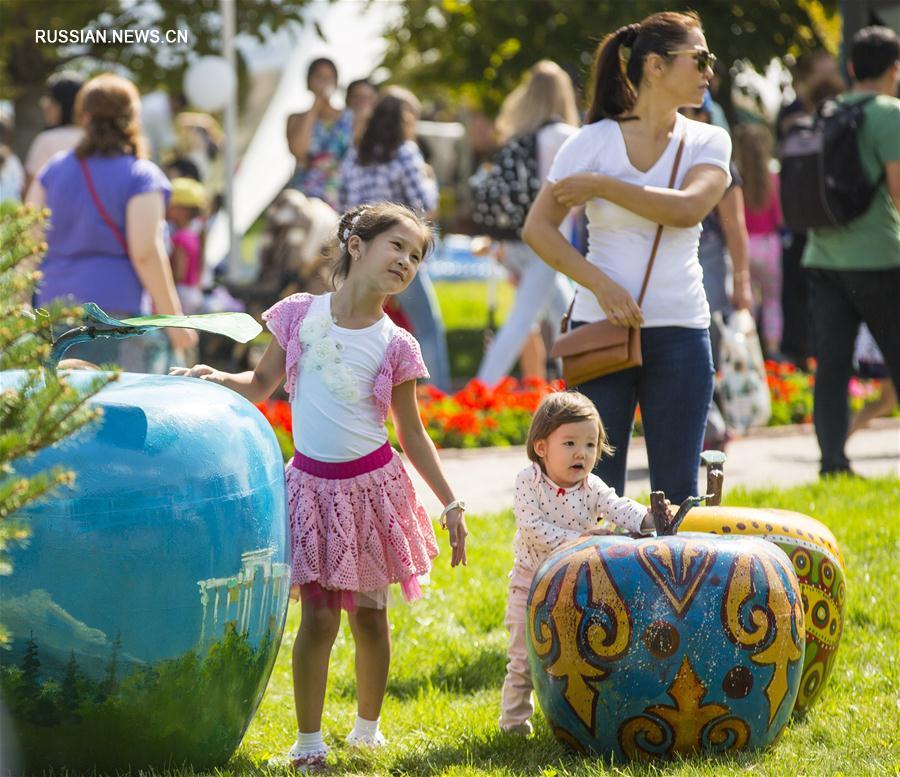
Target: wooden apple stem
<point x="714" y="461"/>
<point x="667" y="526"/>
<point x="714" y="481"/>
<point x="659" y="512"/>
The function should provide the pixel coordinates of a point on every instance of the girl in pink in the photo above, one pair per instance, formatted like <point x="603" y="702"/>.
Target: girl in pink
<point x="356" y="523"/>
<point x="184" y="215"/>
<point x="762" y="212"/>
<point x="557" y="499"/>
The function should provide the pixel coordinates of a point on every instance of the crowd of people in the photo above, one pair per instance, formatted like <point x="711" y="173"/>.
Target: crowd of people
<point x="140" y="229"/>
<point x="649" y="172"/>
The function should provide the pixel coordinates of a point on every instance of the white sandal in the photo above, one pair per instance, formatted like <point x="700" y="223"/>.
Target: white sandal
<point x="308" y="763"/>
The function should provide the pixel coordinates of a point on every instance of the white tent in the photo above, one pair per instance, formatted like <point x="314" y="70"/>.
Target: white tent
<point x="352" y="30"/>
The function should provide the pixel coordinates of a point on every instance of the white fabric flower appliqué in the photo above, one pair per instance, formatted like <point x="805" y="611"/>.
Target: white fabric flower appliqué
<point x="323" y="354"/>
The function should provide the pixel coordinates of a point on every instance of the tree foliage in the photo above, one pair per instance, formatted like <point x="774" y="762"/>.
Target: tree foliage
<point x="38" y="408"/>
<point x="478" y="49"/>
<point x="24" y="61"/>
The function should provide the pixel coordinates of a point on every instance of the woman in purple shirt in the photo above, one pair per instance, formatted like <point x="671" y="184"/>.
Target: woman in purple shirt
<point x="105" y="238"/>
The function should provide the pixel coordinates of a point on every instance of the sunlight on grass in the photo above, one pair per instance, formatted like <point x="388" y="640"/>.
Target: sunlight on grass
<point x="464" y="304"/>
<point x="443" y="698"/>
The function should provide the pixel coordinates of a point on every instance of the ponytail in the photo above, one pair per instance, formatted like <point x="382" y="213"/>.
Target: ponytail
<point x="619" y="61"/>
<point x="613" y="94"/>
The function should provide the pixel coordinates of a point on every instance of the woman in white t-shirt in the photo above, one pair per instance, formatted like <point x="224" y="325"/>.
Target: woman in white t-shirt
<point x="63" y="132"/>
<point x="544" y="104"/>
<point x="619" y="165"/>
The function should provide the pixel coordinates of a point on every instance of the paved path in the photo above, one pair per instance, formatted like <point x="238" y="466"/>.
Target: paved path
<point x="769" y="457"/>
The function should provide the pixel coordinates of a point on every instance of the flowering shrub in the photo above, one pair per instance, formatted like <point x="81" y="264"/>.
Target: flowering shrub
<point x="480" y="416"/>
<point x="278" y="414"/>
<point x="792" y="393"/>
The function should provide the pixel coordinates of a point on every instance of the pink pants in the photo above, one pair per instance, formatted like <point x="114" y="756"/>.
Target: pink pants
<point x="765" y="277"/>
<point x="517" y="706"/>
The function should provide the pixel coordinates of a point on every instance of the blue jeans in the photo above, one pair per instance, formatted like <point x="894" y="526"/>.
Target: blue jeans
<point x="674" y="386"/>
<point x="419" y="302"/>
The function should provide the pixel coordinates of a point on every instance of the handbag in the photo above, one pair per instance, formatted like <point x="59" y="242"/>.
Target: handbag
<point x="600" y="348"/>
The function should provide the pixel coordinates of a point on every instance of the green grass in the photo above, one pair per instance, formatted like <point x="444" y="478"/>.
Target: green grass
<point x="464" y="304"/>
<point x="443" y="696"/>
<point x="464" y="307"/>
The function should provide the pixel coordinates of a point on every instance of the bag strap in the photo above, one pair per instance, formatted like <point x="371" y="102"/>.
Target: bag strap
<point x="564" y="324"/>
<point x="659" y="229"/>
<point x="103" y="214"/>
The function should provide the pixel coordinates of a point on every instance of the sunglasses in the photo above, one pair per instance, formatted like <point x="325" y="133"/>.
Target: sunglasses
<point x="705" y="59"/>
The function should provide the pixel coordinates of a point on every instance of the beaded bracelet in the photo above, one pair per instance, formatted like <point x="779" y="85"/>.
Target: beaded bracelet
<point x="456" y="503"/>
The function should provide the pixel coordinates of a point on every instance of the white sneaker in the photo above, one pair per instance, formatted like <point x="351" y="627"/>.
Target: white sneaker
<point x="356" y="740"/>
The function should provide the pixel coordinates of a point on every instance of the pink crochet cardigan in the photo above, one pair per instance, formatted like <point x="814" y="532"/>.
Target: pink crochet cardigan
<point x="402" y="359"/>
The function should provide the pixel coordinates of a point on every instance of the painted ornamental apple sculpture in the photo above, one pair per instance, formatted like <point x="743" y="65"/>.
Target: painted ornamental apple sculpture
<point x="675" y="644"/>
<point x="820" y="569"/>
<point x="146" y="610"/>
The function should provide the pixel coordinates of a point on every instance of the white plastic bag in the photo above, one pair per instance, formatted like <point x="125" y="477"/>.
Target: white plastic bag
<point x="743" y="389"/>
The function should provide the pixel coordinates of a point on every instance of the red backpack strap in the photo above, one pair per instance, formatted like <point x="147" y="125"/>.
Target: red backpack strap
<point x="100" y="209"/>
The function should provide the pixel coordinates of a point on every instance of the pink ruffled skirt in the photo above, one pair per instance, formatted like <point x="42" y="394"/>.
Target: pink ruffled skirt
<point x="356" y="527"/>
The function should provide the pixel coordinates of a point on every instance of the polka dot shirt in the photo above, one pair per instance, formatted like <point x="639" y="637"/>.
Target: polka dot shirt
<point x="547" y="515"/>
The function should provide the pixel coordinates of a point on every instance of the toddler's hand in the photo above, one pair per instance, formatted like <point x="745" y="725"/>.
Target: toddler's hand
<point x="597" y="531"/>
<point x="202" y="371"/>
<point x="456" y="526"/>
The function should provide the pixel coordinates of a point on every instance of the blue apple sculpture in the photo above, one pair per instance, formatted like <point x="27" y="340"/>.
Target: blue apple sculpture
<point x="146" y="609"/>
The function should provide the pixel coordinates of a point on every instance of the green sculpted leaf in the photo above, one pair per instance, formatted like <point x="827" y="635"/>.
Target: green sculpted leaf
<point x="237" y="326"/>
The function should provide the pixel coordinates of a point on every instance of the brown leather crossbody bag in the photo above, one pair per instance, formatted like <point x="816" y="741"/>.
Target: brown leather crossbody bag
<point x="600" y="348"/>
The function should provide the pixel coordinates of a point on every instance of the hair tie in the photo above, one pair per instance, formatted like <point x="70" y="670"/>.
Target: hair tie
<point x="628" y="34"/>
<point x="349" y="230"/>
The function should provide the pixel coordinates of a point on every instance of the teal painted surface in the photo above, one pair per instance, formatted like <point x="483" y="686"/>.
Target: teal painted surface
<point x="644" y="648"/>
<point x="148" y="605"/>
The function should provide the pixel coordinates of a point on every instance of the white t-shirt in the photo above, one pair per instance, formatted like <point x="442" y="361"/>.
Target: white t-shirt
<point x="335" y="416"/>
<point x="549" y="140"/>
<point x="50" y="142"/>
<point x="619" y="241"/>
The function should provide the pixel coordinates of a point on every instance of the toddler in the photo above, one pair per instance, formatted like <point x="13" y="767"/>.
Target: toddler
<point x="557" y="499"/>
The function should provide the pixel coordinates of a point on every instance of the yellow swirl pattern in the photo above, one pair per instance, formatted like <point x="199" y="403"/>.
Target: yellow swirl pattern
<point x="566" y="614"/>
<point x="786" y="645"/>
<point x="684" y="723"/>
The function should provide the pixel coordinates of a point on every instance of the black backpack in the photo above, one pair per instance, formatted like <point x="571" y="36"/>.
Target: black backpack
<point x="504" y="192"/>
<point x="823" y="183"/>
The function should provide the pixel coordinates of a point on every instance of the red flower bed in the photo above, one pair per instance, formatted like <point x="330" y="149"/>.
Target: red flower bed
<point x="477" y="416"/>
<point x="480" y="415"/>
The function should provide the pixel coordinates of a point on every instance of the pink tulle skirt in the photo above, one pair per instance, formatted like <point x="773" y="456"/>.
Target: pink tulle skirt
<point x="356" y="528"/>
